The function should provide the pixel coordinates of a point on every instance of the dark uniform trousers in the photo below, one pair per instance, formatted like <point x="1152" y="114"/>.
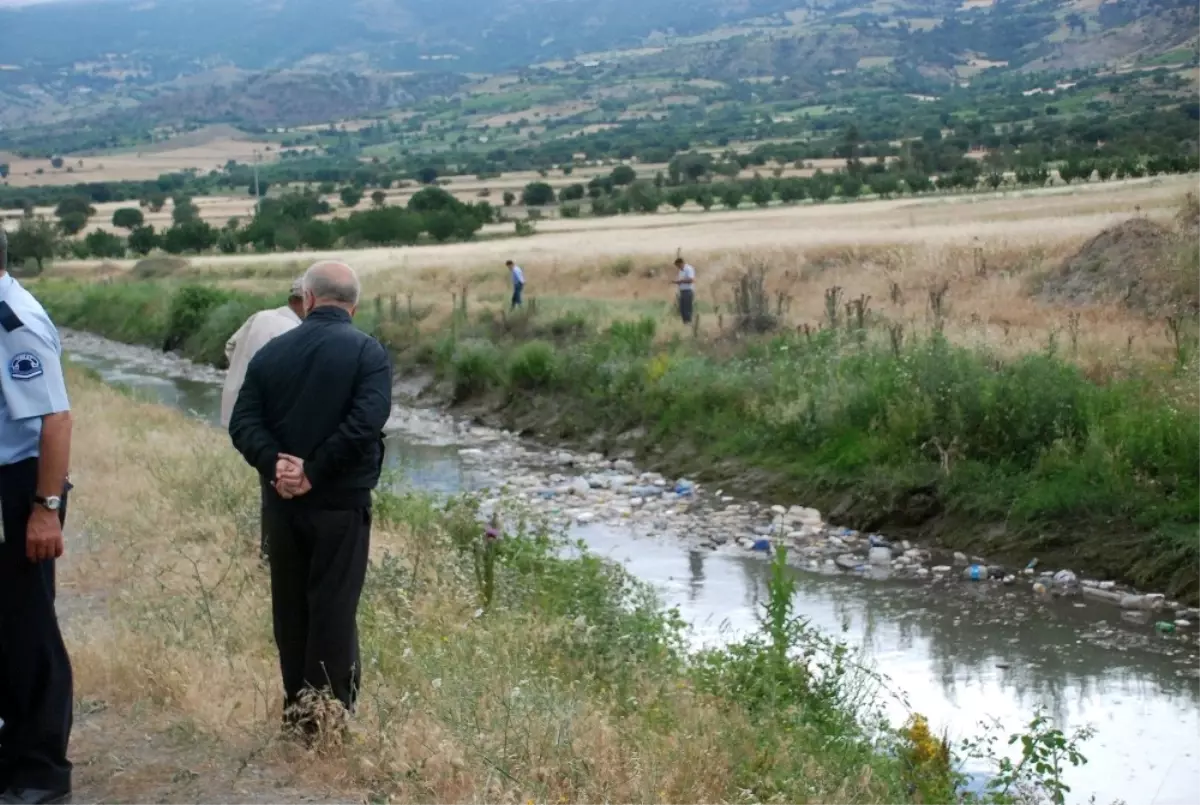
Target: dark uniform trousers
<point x="318" y="565"/>
<point x="687" y="300"/>
<point x="35" y="671"/>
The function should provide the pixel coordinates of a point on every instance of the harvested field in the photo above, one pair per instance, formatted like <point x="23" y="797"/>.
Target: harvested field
<point x="989" y="251"/>
<point x="139" y="165"/>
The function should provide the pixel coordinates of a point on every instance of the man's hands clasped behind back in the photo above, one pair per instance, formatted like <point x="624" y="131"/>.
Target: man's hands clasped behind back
<point x="290" y="480"/>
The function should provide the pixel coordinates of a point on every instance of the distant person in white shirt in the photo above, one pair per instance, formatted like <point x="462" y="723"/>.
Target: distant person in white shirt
<point x="245" y="344"/>
<point x="686" y="281"/>
<point x="518" y="282"/>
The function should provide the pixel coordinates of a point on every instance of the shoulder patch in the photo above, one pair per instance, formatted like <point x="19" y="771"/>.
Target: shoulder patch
<point x="25" y="366"/>
<point x="9" y="320"/>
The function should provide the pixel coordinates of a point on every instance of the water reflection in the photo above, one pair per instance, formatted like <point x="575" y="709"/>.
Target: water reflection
<point x="960" y="653"/>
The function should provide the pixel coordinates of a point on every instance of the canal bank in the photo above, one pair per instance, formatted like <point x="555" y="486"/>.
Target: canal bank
<point x="960" y="652"/>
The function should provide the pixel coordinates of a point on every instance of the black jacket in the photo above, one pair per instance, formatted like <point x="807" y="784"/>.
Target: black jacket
<point x="321" y="392"/>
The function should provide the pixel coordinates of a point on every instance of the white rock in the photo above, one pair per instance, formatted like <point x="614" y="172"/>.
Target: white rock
<point x="922" y="571"/>
<point x="583" y="518"/>
<point x="1107" y="585"/>
<point x="879" y="556"/>
<point x="778" y="510"/>
<point x="580" y="487"/>
<point x="1182" y="623"/>
<point x="621" y="465"/>
<point x="941" y="569"/>
<point x="636" y="502"/>
<point x="960" y="558"/>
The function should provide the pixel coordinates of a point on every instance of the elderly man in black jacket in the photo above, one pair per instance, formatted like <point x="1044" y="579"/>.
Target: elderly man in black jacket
<point x="310" y="418"/>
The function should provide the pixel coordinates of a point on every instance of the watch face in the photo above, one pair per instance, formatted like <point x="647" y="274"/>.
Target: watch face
<point x="52" y="503"/>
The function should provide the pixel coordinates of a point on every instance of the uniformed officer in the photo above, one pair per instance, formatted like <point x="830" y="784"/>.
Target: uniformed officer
<point x="35" y="446"/>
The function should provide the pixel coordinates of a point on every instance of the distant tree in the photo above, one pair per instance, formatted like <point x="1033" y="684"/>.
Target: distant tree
<point x="128" y="218"/>
<point x="705" y="198"/>
<point x="644" y="197"/>
<point x="227" y="241"/>
<point x="850" y="186"/>
<point x="427" y="175"/>
<point x="379" y="198"/>
<point x="154" y="202"/>
<point x="36" y="239"/>
<point x="189" y="236"/>
<point x="72" y="223"/>
<point x="350" y="196"/>
<point x="731" y="196"/>
<point x="568" y="170"/>
<point x="572" y="192"/>
<point x="184" y="211"/>
<point x="761" y="194"/>
<point x="326" y="188"/>
<point x="884" y="185"/>
<point x="995" y="179"/>
<point x="791" y="190"/>
<point x="104" y="244"/>
<point x="434" y="199"/>
<point x="4" y="170"/>
<point x="537" y="194"/>
<point x="319" y="235"/>
<point x="442" y="225"/>
<point x="623" y="175"/>
<point x="56" y="163"/>
<point x="143" y="240"/>
<point x="509" y="198"/>
<point x="677" y="197"/>
<point x="75" y="205"/>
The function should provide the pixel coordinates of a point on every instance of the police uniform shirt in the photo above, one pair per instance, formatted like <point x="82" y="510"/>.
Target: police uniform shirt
<point x="31" y="377"/>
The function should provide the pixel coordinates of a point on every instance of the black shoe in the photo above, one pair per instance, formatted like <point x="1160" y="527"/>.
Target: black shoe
<point x="34" y="796"/>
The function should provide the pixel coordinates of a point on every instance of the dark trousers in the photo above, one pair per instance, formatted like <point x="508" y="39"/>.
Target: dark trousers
<point x="318" y="564"/>
<point x="518" y="287"/>
<point x="263" y="551"/>
<point x="35" y="671"/>
<point x="687" y="299"/>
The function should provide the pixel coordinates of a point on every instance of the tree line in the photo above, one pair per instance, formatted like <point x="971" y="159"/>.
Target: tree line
<point x="289" y="222"/>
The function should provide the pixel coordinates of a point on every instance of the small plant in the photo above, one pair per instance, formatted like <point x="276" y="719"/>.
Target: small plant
<point x="752" y="301"/>
<point x="1046" y="753"/>
<point x="833" y="300"/>
<point x="524" y="229"/>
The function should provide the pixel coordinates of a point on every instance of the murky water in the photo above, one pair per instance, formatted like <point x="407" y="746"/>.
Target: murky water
<point x="959" y="654"/>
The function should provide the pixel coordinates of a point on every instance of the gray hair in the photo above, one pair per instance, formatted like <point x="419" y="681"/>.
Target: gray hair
<point x="331" y="281"/>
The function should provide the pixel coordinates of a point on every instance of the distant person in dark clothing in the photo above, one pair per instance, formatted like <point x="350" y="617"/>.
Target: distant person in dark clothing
<point x="310" y="418"/>
<point x="686" y="281"/>
<point x="518" y="282"/>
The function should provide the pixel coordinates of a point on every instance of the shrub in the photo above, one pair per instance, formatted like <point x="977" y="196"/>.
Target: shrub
<point x="533" y="365"/>
<point x="190" y="307"/>
<point x="475" y="368"/>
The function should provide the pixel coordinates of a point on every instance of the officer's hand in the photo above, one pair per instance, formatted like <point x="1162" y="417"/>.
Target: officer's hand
<point x="43" y="535"/>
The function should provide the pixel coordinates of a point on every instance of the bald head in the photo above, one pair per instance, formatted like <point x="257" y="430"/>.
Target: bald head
<point x="331" y="283"/>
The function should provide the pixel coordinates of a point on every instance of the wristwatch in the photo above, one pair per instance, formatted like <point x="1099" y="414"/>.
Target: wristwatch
<point x="51" y="503"/>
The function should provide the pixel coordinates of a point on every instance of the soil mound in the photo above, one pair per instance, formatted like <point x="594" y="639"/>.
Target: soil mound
<point x="1137" y="263"/>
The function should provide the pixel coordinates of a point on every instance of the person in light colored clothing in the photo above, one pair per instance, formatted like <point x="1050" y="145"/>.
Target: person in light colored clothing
<point x="250" y="338"/>
<point x="243" y="345"/>
<point x="518" y="282"/>
<point x="686" y="282"/>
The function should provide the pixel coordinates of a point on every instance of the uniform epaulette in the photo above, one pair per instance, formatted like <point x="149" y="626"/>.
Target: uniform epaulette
<point x="9" y="320"/>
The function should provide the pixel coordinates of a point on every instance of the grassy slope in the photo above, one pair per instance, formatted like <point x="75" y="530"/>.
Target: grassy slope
<point x="570" y="687"/>
<point x="1012" y="458"/>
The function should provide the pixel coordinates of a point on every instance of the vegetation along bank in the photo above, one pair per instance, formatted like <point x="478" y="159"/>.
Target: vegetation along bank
<point x="905" y="433"/>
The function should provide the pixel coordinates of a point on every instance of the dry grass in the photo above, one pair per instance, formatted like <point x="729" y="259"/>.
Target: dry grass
<point x="987" y="253"/>
<point x="167" y="618"/>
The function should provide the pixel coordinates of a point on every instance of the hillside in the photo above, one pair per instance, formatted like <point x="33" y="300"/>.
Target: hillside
<point x="292" y="62"/>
